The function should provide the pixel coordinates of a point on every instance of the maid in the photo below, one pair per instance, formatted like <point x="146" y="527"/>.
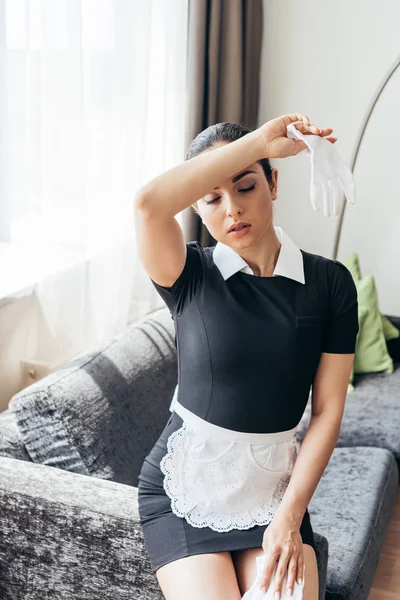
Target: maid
<point x="258" y="321"/>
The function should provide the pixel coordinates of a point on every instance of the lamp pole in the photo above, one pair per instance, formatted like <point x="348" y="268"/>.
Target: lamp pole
<point x="359" y="138"/>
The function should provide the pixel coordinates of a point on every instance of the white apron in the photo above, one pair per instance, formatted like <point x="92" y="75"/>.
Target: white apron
<point x="226" y="479"/>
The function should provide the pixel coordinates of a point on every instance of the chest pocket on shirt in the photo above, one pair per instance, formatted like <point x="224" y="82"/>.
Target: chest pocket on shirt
<point x="308" y="341"/>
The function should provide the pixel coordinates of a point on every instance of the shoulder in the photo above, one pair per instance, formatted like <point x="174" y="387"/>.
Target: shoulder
<point x="195" y="246"/>
<point x="325" y="267"/>
<point x="199" y="258"/>
<point x="207" y="255"/>
<point x="195" y="252"/>
<point x="333" y="279"/>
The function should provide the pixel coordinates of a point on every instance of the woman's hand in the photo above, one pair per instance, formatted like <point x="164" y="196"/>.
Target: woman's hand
<point x="282" y="542"/>
<point x="274" y="138"/>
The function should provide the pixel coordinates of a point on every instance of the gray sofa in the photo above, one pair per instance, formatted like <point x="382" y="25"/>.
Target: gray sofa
<point x="72" y="444"/>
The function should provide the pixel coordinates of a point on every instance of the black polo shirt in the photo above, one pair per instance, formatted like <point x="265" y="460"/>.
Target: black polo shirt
<point x="248" y="347"/>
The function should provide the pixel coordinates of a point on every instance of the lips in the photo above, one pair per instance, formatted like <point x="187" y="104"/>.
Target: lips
<point x="241" y="225"/>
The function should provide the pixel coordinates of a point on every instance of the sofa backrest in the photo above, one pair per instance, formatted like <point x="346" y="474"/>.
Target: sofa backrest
<point x="101" y="413"/>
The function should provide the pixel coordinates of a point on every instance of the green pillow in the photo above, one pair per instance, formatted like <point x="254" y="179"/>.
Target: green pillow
<point x="372" y="355"/>
<point x="362" y="313"/>
<point x="352" y="262"/>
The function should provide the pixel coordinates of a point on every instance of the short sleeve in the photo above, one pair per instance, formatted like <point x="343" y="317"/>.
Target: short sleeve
<point x="178" y="296"/>
<point x="341" y="327"/>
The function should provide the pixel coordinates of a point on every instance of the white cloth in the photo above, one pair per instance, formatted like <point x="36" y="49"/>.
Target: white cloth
<point x="226" y="479"/>
<point x="331" y="178"/>
<point x="255" y="593"/>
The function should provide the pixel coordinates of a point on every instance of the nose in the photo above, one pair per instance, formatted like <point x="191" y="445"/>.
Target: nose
<point x="233" y="207"/>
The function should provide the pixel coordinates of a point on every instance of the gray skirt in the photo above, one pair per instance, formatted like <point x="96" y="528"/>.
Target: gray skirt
<point x="169" y="537"/>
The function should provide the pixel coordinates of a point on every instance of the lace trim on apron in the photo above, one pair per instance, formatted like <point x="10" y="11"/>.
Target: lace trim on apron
<point x="226" y="479"/>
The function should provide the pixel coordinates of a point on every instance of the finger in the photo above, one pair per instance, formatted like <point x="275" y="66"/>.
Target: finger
<point x="292" y="572"/>
<point x="337" y="196"/>
<point x="349" y="184"/>
<point x="349" y="189"/>
<point x="332" y="195"/>
<point x="325" y="199"/>
<point x="313" y="129"/>
<point x="307" y="129"/>
<point x="299" y="146"/>
<point x="300" y="565"/>
<point x="281" y="571"/>
<point x="316" y="194"/>
<point x="293" y="117"/>
<point x="326" y="131"/>
<point x="338" y="209"/>
<point x="265" y="578"/>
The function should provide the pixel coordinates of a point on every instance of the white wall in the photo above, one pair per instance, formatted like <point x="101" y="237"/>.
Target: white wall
<point x="326" y="59"/>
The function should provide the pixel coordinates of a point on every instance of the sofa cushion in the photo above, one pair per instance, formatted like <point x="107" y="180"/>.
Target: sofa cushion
<point x="352" y="507"/>
<point x="371" y="414"/>
<point x="352" y="262"/>
<point x="101" y="413"/>
<point x="372" y="352"/>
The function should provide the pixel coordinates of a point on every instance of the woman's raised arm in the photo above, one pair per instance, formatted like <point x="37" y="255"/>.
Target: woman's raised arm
<point x="160" y="241"/>
<point x="179" y="187"/>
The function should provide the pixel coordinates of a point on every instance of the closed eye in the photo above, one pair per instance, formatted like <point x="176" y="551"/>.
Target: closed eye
<point x="243" y="190"/>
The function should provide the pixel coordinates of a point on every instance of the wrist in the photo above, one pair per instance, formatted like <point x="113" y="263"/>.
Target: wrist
<point x="290" y="515"/>
<point x="261" y="143"/>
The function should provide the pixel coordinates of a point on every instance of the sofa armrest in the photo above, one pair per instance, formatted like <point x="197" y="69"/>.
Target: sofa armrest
<point x="11" y="442"/>
<point x="65" y="536"/>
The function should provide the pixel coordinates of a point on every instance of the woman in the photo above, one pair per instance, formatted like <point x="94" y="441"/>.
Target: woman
<point x="258" y="321"/>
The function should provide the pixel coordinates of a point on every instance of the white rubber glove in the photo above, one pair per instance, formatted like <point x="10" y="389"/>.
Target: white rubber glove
<point x="331" y="178"/>
<point x="255" y="593"/>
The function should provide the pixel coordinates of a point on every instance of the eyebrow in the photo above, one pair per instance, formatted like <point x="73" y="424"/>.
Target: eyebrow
<point x="237" y="177"/>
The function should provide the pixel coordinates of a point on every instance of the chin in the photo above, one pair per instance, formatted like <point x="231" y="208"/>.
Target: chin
<point x="243" y="242"/>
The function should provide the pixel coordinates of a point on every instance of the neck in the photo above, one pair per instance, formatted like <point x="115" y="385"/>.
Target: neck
<point x="262" y="258"/>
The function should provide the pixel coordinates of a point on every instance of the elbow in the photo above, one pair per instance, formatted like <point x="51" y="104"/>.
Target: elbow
<point x="334" y="417"/>
<point x="142" y="206"/>
<point x="140" y="202"/>
<point x="147" y="205"/>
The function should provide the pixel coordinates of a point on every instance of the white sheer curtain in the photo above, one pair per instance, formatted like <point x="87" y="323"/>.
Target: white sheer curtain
<point x="92" y="98"/>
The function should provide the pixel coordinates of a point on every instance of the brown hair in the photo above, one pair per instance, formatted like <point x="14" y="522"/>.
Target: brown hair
<point x="222" y="132"/>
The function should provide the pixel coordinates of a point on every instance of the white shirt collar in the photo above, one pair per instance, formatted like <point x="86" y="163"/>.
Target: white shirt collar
<point x="289" y="263"/>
